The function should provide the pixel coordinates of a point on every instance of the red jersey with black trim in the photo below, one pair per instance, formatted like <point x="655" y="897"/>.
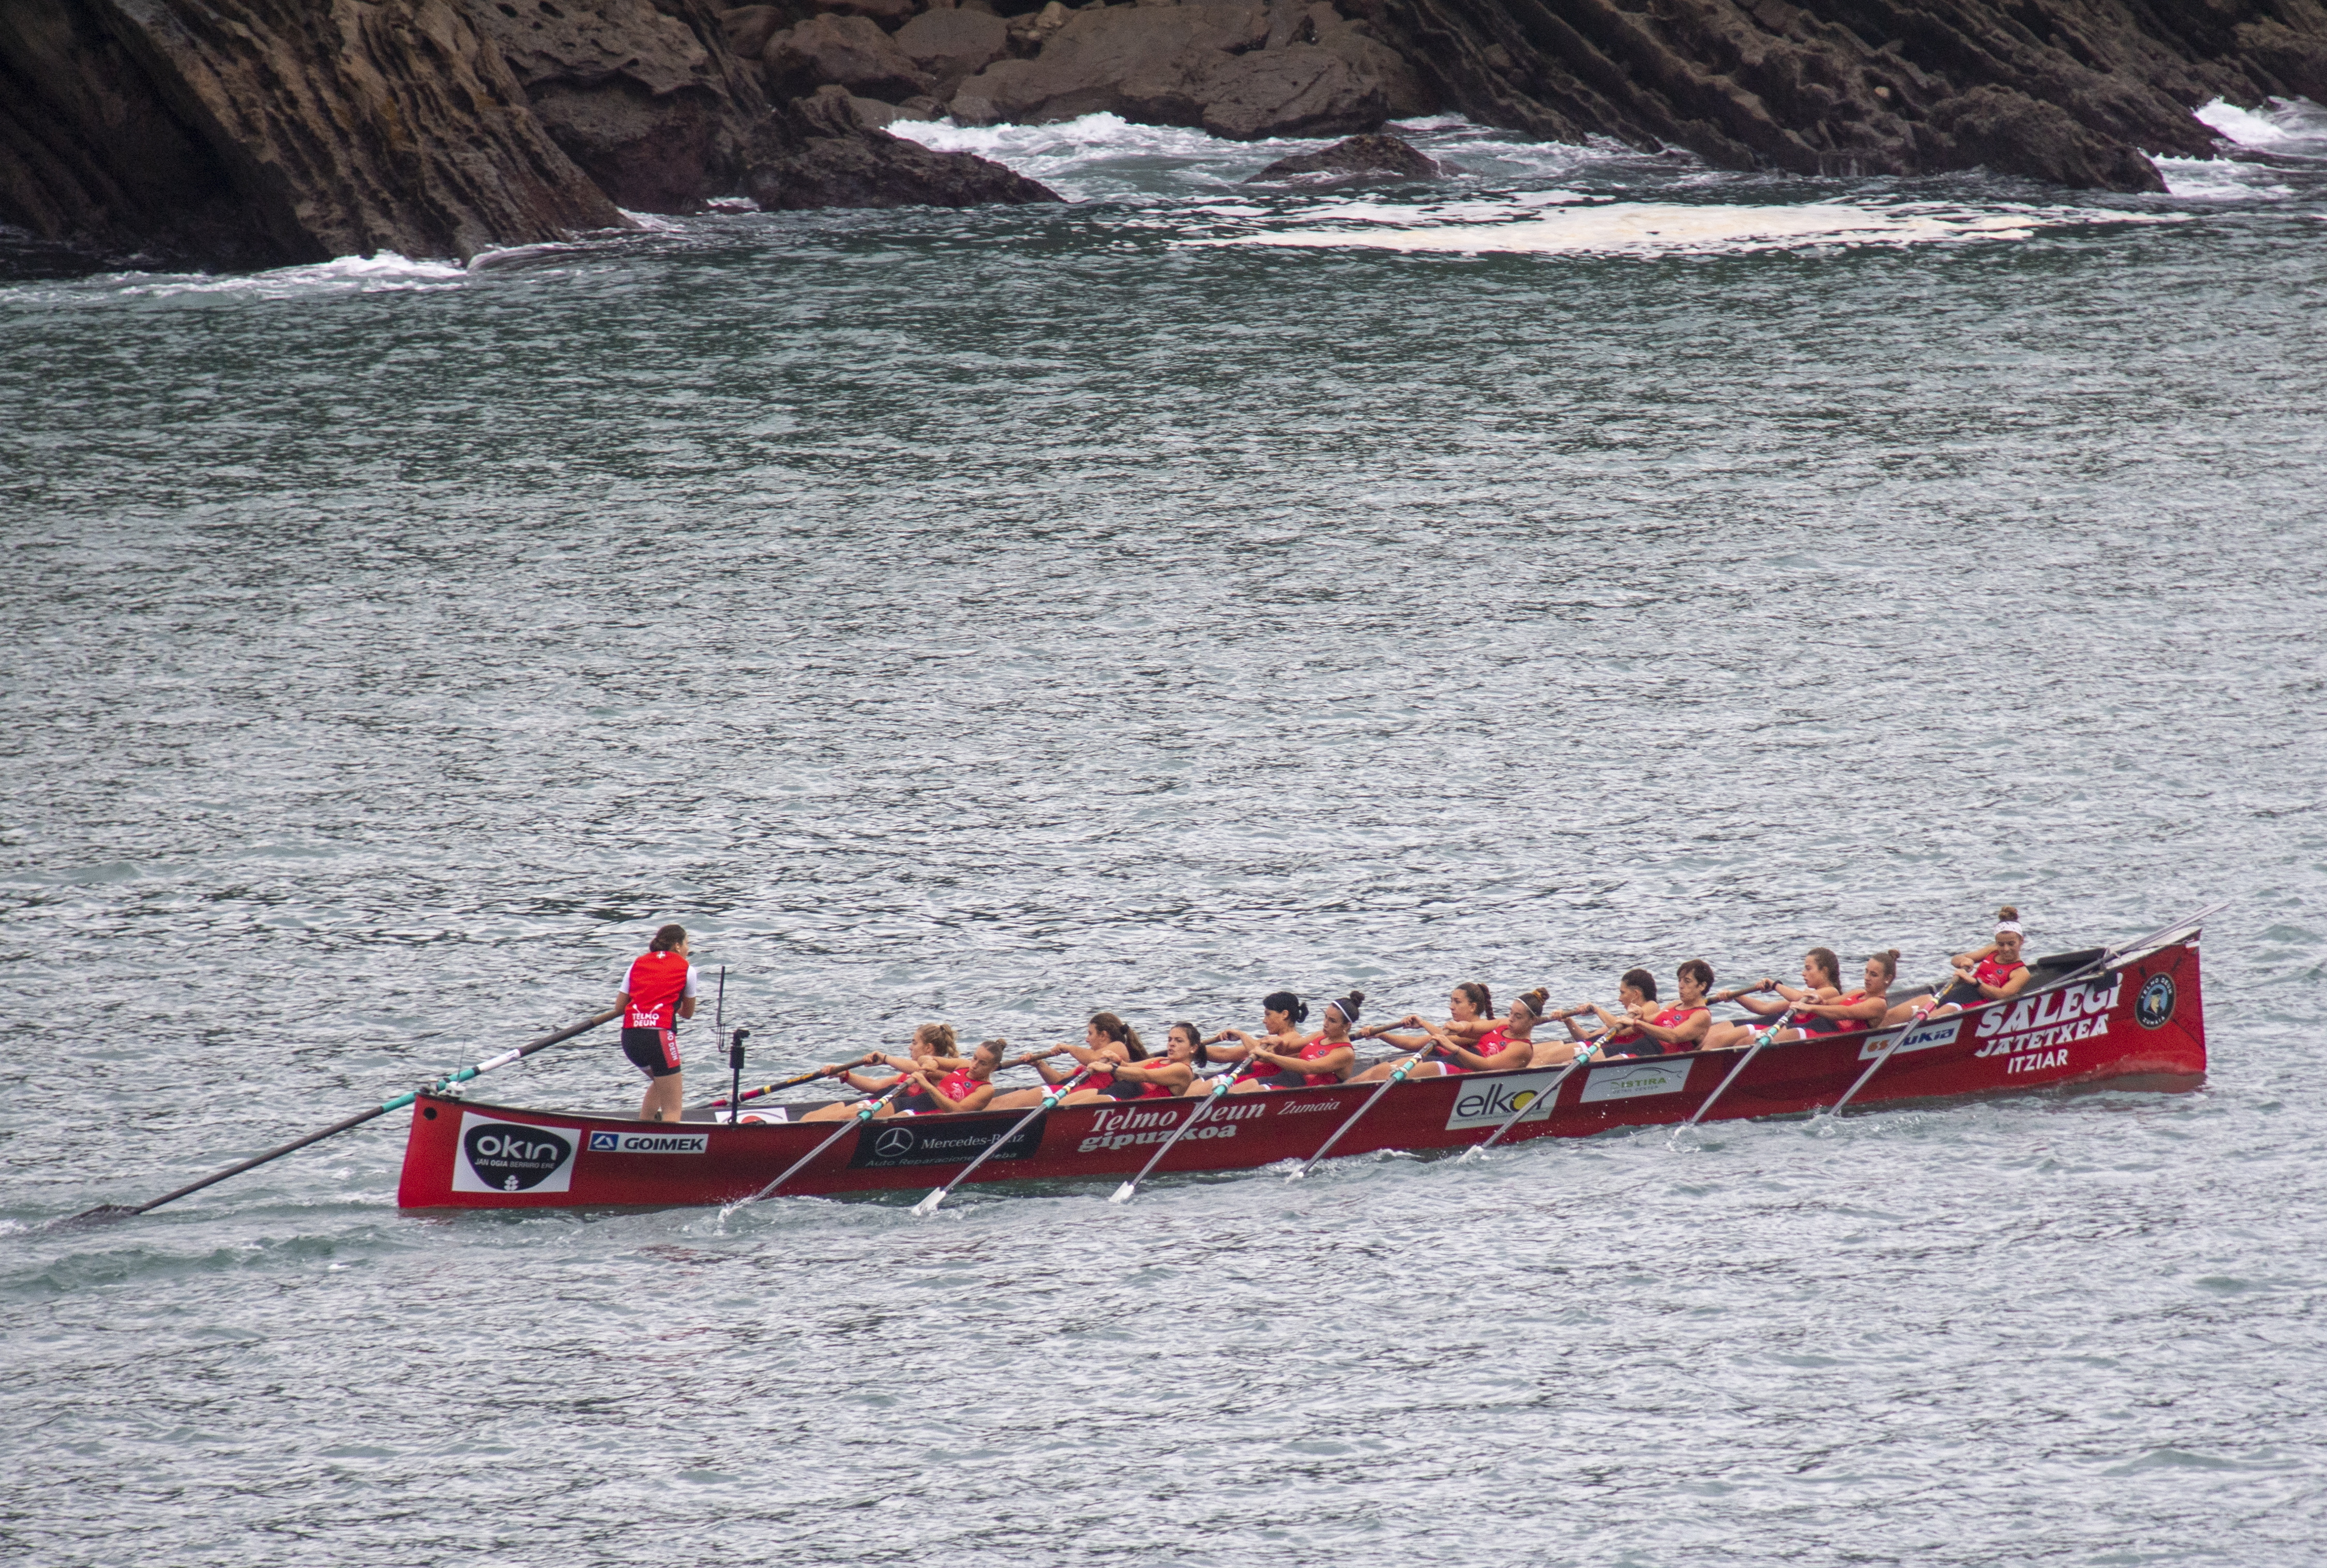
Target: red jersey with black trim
<point x="1487" y="1044"/>
<point x="656" y="984"/>
<point x="1316" y="1049"/>
<point x="1992" y="971"/>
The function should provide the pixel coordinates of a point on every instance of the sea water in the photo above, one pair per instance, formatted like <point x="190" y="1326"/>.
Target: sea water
<point x="1146" y="603"/>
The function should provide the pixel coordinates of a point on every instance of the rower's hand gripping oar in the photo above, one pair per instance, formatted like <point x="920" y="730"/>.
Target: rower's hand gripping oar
<point x="1884" y="1055"/>
<point x="864" y="1115"/>
<point x="1217" y="1093"/>
<point x="1783" y="1019"/>
<point x="1050" y="1096"/>
<point x="105" y="1211"/>
<point x="1584" y="1052"/>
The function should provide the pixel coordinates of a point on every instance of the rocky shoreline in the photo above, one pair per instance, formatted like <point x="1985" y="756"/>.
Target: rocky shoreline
<point x="254" y="133"/>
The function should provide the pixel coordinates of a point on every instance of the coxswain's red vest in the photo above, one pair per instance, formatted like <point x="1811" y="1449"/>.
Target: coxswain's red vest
<point x="656" y="981"/>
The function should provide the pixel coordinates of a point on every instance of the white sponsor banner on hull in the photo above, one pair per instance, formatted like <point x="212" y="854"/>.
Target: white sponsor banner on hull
<point x="497" y="1156"/>
<point x="1484" y="1102"/>
<point x="1625" y="1080"/>
<point x="649" y="1143"/>
<point x="1923" y="1037"/>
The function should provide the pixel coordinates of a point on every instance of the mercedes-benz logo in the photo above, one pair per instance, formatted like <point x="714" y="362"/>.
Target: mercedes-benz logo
<point x="893" y="1141"/>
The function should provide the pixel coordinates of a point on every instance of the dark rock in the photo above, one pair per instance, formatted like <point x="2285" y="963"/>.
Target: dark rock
<point x="848" y="51"/>
<point x="1207" y="64"/>
<point x="1358" y="157"/>
<point x="254" y="133"/>
<point x="646" y="98"/>
<point x="1864" y="87"/>
<point x="749" y="27"/>
<point x="814" y="151"/>
<point x="949" y="45"/>
<point x="889" y="12"/>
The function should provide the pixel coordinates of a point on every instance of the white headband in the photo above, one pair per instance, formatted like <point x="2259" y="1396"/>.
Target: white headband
<point x="2011" y="926"/>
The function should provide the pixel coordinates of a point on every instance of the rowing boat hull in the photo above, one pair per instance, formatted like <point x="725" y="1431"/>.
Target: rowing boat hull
<point x="2143" y="1024"/>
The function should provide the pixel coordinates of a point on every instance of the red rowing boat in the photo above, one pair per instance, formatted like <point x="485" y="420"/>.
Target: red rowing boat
<point x="2129" y="1017"/>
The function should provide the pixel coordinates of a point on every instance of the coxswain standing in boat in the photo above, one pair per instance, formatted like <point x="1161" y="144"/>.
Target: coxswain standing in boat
<point x="1325" y="1057"/>
<point x="1499" y="1047"/>
<point x="659" y="991"/>
<point x="1107" y="1041"/>
<point x="1993" y="974"/>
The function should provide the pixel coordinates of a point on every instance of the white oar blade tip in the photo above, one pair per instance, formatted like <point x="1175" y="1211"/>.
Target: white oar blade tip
<point x="1122" y="1194"/>
<point x="930" y="1205"/>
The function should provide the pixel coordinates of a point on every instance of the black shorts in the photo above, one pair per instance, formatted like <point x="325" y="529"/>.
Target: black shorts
<point x="1125" y="1089"/>
<point x="1641" y="1047"/>
<point x="653" y="1052"/>
<point x="1963" y="993"/>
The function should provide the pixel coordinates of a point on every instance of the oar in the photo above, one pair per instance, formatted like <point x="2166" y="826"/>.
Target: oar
<point x="1050" y="1096"/>
<point x="1584" y="1051"/>
<point x="864" y="1115"/>
<point x="1396" y="1077"/>
<point x="105" y="1211"/>
<point x="1783" y="1019"/>
<point x="789" y="1083"/>
<point x="1884" y="1055"/>
<point x="1219" y="1092"/>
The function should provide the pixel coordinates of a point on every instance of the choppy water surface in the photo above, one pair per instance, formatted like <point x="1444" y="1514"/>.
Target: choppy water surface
<point x="999" y="616"/>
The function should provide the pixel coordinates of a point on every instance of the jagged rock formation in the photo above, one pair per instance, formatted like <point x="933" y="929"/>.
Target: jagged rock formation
<point x="1367" y="157"/>
<point x="646" y="98"/>
<point x="260" y="132"/>
<point x="820" y="151"/>
<point x="1234" y="67"/>
<point x="2071" y="91"/>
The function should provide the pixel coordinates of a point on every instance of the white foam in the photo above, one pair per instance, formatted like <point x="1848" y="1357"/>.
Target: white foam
<point x="2218" y="180"/>
<point x="2283" y="124"/>
<point x="386" y="272"/>
<point x="1642" y="229"/>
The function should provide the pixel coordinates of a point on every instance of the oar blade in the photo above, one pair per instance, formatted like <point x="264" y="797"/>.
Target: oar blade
<point x="930" y="1205"/>
<point x="1123" y="1193"/>
<point x="103" y="1214"/>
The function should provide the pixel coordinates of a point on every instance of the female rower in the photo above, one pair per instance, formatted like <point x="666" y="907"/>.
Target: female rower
<point x="1821" y="983"/>
<point x="1678" y="1028"/>
<point x="657" y="991"/>
<point x="932" y="1045"/>
<point x="1856" y="1014"/>
<point x="1282" y="1014"/>
<point x="1990" y="974"/>
<point x="1161" y="1077"/>
<point x="944" y="1092"/>
<point x="1504" y="1044"/>
<point x="1106" y="1040"/>
<point x="1326" y="1057"/>
<point x="1473" y="1014"/>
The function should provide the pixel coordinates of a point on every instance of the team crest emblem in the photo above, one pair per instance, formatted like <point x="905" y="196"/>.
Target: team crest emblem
<point x="2155" y="1005"/>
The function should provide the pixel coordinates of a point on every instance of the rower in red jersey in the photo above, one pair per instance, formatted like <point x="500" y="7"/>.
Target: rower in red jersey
<point x="1990" y="974"/>
<point x="1628" y="1033"/>
<point x="932" y="1045"/>
<point x="1502" y="1045"/>
<point x="1470" y="1013"/>
<point x="1164" y="1077"/>
<point x="1821" y="982"/>
<point x="1328" y="1058"/>
<point x="1107" y="1041"/>
<point x="1670" y="1031"/>
<point x="1853" y="1013"/>
<point x="659" y="991"/>
<point x="968" y="1088"/>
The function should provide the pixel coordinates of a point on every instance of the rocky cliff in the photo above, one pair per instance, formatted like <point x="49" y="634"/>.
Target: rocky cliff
<point x="255" y="131"/>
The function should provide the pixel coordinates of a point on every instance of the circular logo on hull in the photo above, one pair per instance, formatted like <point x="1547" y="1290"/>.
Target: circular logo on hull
<point x="2155" y="1005"/>
<point x="892" y="1142"/>
<point x="514" y="1158"/>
